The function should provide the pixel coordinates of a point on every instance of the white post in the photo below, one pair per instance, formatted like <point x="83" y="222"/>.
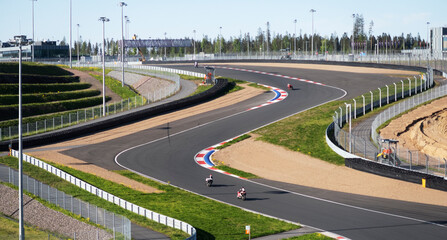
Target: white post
<point x="409" y="87"/>
<point x="395" y="92"/>
<point x="341" y="118"/>
<point x="363" y="97"/>
<point x="387" y="94"/>
<point x="372" y="103"/>
<point x="380" y="97"/>
<point x="415" y="85"/>
<point x="402" y="88"/>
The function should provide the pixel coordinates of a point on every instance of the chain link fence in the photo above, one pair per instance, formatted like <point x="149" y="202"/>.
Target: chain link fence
<point x="406" y="158"/>
<point x="119" y="225"/>
<point x="160" y="218"/>
<point x="84" y="115"/>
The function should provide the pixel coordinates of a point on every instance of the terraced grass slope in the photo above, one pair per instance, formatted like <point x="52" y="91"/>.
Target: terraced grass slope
<point x="45" y="89"/>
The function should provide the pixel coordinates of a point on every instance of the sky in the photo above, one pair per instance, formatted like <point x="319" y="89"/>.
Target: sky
<point x="179" y="18"/>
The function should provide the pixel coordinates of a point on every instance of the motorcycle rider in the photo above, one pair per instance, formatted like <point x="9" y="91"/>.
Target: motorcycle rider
<point x="209" y="178"/>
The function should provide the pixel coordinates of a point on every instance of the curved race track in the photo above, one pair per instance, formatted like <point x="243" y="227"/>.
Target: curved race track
<point x="171" y="159"/>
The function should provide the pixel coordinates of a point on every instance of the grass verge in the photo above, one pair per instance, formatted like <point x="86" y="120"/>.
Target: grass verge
<point x="304" y="132"/>
<point x="311" y="236"/>
<point x="213" y="220"/>
<point x="9" y="230"/>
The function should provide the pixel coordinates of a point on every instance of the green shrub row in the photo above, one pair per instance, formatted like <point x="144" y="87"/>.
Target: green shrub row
<point x="47" y="97"/>
<point x="42" y="88"/>
<point x="33" y="68"/>
<point x="11" y="112"/>
<point x="28" y="78"/>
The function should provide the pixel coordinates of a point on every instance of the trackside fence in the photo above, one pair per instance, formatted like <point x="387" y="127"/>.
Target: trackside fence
<point x="84" y="115"/>
<point x="362" y="147"/>
<point x="119" y="225"/>
<point x="162" y="219"/>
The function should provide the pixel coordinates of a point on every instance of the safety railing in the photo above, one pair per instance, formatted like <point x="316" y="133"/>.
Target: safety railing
<point x="84" y="115"/>
<point x="119" y="225"/>
<point x="361" y="146"/>
<point x="160" y="218"/>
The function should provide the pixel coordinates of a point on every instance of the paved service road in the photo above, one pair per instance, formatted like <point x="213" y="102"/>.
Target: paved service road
<point x="171" y="159"/>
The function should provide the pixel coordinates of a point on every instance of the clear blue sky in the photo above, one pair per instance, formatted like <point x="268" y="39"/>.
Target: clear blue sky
<point x="179" y="18"/>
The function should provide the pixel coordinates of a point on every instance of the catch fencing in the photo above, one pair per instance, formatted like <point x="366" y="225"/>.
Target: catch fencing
<point x="84" y="115"/>
<point x="157" y="217"/>
<point x="361" y="146"/>
<point x="119" y="225"/>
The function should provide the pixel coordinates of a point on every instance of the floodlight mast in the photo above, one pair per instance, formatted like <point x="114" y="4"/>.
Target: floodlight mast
<point x="103" y="19"/>
<point x="20" y="40"/>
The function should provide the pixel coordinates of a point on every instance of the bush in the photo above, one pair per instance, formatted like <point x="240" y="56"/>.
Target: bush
<point x="33" y="68"/>
<point x="42" y="88"/>
<point x="11" y="112"/>
<point x="47" y="97"/>
<point x="26" y="78"/>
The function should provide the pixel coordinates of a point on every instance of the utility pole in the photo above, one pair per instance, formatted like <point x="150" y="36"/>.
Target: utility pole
<point x="353" y="31"/>
<point x="122" y="5"/>
<point x="312" y="43"/>
<point x="294" y="37"/>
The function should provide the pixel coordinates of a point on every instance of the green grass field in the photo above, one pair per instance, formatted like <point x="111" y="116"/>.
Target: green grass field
<point x="213" y="220"/>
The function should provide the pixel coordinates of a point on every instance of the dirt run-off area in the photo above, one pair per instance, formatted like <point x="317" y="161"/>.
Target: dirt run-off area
<point x="263" y="159"/>
<point x="423" y="129"/>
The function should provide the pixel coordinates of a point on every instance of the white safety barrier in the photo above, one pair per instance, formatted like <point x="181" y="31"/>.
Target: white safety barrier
<point x="160" y="218"/>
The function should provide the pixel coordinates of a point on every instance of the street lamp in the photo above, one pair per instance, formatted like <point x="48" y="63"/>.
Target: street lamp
<point x="122" y="5"/>
<point x="428" y="36"/>
<point x="294" y="36"/>
<point x="127" y="26"/>
<point x="194" y="41"/>
<point x="103" y="19"/>
<point x="220" y="41"/>
<point x="312" y="44"/>
<point x="19" y="40"/>
<point x="353" y="31"/>
<point x="165" y="47"/>
<point x="69" y="45"/>
<point x="32" y="46"/>
<point x="78" y="44"/>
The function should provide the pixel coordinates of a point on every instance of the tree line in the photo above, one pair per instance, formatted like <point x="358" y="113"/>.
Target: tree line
<point x="264" y="42"/>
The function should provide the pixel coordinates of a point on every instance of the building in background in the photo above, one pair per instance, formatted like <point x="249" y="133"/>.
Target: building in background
<point x="43" y="50"/>
<point x="438" y="40"/>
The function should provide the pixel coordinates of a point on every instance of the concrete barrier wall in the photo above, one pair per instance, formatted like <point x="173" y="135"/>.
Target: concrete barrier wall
<point x="385" y="170"/>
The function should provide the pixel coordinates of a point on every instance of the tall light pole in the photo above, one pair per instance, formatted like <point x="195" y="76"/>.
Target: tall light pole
<point x="20" y="41"/>
<point x="220" y="41"/>
<point x="294" y="37"/>
<point x="353" y="31"/>
<point x="69" y="45"/>
<point x="127" y="26"/>
<point x="428" y="35"/>
<point x="165" y="47"/>
<point x="32" y="46"/>
<point x="194" y="41"/>
<point x="312" y="43"/>
<point x="104" y="20"/>
<point x="78" y="43"/>
<point x="122" y="5"/>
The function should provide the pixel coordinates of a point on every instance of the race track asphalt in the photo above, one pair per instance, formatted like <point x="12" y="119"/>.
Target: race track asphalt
<point x="171" y="159"/>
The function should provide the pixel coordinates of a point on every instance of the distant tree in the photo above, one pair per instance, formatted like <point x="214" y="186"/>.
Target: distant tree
<point x="63" y="42"/>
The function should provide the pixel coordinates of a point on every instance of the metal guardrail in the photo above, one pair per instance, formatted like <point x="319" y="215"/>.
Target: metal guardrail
<point x="120" y="225"/>
<point x="357" y="146"/>
<point x="160" y="218"/>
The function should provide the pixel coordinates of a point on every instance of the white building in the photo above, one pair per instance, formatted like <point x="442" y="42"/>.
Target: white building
<point x="438" y="40"/>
